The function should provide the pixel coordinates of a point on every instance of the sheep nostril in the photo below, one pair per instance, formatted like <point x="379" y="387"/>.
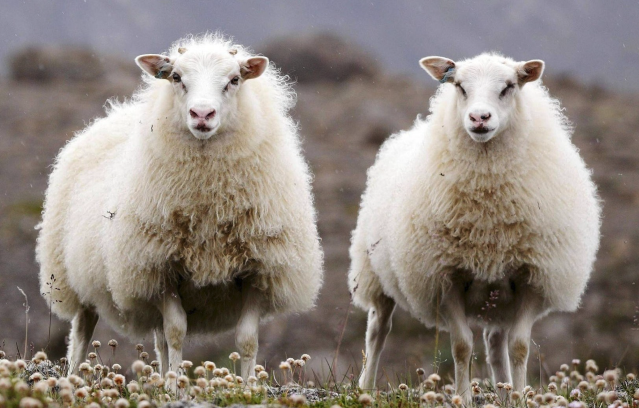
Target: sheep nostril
<point x="486" y="116"/>
<point x="193" y="114"/>
<point x="211" y="114"/>
<point x="472" y="118"/>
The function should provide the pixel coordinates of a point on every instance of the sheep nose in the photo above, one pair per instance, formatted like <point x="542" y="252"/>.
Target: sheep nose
<point x="479" y="117"/>
<point x="202" y="114"/>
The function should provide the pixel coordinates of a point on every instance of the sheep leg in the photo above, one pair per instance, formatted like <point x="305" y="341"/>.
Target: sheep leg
<point x="247" y="329"/>
<point x="378" y="327"/>
<point x="82" y="328"/>
<point x="161" y="350"/>
<point x="519" y="337"/>
<point x="461" y="339"/>
<point x="496" y="342"/>
<point x="174" y="325"/>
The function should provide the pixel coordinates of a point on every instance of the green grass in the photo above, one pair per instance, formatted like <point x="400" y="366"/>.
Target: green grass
<point x="41" y="383"/>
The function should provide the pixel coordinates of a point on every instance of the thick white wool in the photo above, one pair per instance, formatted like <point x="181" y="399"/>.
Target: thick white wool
<point x="135" y="201"/>
<point x="437" y="202"/>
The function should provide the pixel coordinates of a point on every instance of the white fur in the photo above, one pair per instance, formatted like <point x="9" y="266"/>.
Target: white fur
<point x="449" y="216"/>
<point x="157" y="226"/>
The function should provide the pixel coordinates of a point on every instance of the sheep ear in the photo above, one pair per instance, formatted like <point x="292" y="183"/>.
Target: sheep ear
<point x="530" y="71"/>
<point x="158" y="66"/>
<point x="253" y="67"/>
<point x="440" y="68"/>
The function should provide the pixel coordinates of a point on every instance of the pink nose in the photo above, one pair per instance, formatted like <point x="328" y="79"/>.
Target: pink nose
<point x="479" y="118"/>
<point x="202" y="114"/>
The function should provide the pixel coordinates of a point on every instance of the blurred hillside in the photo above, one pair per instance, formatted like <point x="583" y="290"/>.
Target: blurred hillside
<point x="347" y="106"/>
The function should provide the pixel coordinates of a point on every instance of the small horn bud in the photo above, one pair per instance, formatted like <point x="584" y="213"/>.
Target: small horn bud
<point x="233" y="51"/>
<point x="181" y="50"/>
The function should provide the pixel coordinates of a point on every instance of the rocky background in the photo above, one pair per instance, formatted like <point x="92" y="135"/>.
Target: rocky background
<point x="347" y="106"/>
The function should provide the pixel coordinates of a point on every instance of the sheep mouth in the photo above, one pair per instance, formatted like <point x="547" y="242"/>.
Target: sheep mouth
<point x="481" y="130"/>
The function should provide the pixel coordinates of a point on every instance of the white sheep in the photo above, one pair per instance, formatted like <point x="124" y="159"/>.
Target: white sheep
<point x="484" y="214"/>
<point x="186" y="209"/>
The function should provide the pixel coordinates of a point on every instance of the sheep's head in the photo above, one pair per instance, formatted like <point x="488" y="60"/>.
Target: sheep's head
<point x="486" y="89"/>
<point x="206" y="82"/>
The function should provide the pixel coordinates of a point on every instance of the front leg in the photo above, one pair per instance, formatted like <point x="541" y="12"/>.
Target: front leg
<point x="161" y="350"/>
<point x="174" y="325"/>
<point x="528" y="310"/>
<point x="461" y="339"/>
<point x="247" y="329"/>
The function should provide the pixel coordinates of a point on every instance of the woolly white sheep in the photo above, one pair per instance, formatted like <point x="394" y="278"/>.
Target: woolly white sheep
<point x="186" y="209"/>
<point x="484" y="214"/>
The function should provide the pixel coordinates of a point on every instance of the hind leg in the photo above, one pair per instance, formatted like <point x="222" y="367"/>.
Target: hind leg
<point x="82" y="328"/>
<point x="377" y="329"/>
<point x="496" y="342"/>
<point x="161" y="350"/>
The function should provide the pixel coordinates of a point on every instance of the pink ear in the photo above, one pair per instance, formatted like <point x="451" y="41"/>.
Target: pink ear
<point x="155" y="65"/>
<point x="440" y="68"/>
<point x="530" y="71"/>
<point x="254" y="67"/>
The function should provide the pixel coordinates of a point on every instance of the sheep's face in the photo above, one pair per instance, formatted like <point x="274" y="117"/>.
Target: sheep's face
<point x="205" y="83"/>
<point x="486" y="89"/>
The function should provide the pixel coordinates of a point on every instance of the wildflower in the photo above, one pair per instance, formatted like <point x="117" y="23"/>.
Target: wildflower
<point x="133" y="386"/>
<point x="508" y="387"/>
<point x="41" y="388"/>
<point x="144" y="404"/>
<point x="247" y="394"/>
<point x="39" y="357"/>
<point x="92" y="356"/>
<point x="28" y="402"/>
<point x="403" y="387"/>
<point x="2" y="354"/>
<point x="365" y="399"/>
<point x="610" y="397"/>
<point x="35" y="377"/>
<point x="310" y="384"/>
<point x="144" y="355"/>
<point x="538" y="399"/>
<point x="440" y="398"/>
<point x="111" y="375"/>
<point x="591" y="366"/>
<point x="147" y="370"/>
<point x="428" y="396"/>
<point x="299" y="399"/>
<point x="611" y="376"/>
<point x="420" y="372"/>
<point x="121" y="403"/>
<point x="116" y="367"/>
<point x="290" y="361"/>
<point x="500" y="385"/>
<point x="143" y="397"/>
<point x="457" y="400"/>
<point x="113" y="344"/>
<point x="516" y="396"/>
<point x="576" y="404"/>
<point x="576" y="362"/>
<point x="81" y="393"/>
<point x="449" y="389"/>
<point x="234" y="356"/>
<point x="564" y="367"/>
<point x="201" y="382"/>
<point x="549" y="397"/>
<point x="139" y="347"/>
<point x="262" y="375"/>
<point x="583" y="386"/>
<point x="155" y="377"/>
<point x="305" y="357"/>
<point x="195" y="391"/>
<point x="106" y="383"/>
<point x="209" y="365"/>
<point x="561" y="401"/>
<point x="630" y="377"/>
<point x="199" y="371"/>
<point x="155" y="364"/>
<point x="21" y="365"/>
<point x="96" y="344"/>
<point x="137" y="366"/>
<point x="434" y="378"/>
<point x="225" y="371"/>
<point x="285" y="365"/>
<point x="182" y="381"/>
<point x="601" y="397"/>
<point x="52" y="382"/>
<point x="239" y="380"/>
<point x="299" y="363"/>
<point x="600" y="384"/>
<point x="171" y="375"/>
<point x="186" y="364"/>
<point x="66" y="396"/>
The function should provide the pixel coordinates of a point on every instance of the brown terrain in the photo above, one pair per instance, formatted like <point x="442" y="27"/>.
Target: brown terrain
<point x="347" y="106"/>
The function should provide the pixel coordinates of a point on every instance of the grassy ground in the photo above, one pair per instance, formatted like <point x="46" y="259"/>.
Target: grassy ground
<point x="39" y="383"/>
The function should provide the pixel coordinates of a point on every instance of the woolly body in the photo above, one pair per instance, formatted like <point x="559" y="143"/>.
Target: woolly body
<point x="136" y="202"/>
<point x="445" y="216"/>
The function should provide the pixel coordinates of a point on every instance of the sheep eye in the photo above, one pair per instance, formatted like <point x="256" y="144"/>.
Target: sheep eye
<point x="506" y="89"/>
<point x="235" y="80"/>
<point x="463" y="91"/>
<point x="176" y="77"/>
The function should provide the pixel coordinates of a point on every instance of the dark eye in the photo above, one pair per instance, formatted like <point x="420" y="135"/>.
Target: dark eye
<point x="506" y="89"/>
<point x="463" y="91"/>
<point x="235" y="80"/>
<point x="176" y="77"/>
